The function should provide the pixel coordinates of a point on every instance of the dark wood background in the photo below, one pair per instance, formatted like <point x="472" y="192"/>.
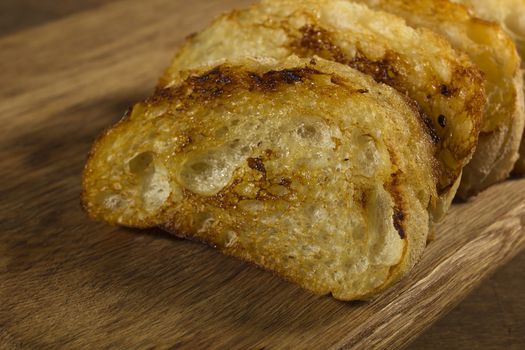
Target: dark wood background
<point x="492" y="317"/>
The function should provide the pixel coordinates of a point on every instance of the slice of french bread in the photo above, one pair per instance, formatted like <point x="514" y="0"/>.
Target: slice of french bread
<point x="494" y="52"/>
<point x="510" y="14"/>
<point x="304" y="167"/>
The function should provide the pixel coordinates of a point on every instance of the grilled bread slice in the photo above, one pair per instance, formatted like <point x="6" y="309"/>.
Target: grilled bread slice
<point x="447" y="86"/>
<point x="510" y="14"/>
<point x="495" y="54"/>
<point x="295" y="166"/>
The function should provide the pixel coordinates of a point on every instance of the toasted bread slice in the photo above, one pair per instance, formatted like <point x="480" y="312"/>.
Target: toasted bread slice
<point x="446" y="84"/>
<point x="495" y="54"/>
<point x="510" y="14"/>
<point x="295" y="166"/>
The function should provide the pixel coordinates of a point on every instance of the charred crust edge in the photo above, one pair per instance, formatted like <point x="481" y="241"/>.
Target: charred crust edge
<point x="393" y="187"/>
<point x="318" y="41"/>
<point x="223" y="80"/>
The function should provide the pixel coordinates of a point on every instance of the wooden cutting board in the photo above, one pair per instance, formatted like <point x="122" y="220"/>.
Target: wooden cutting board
<point x="67" y="282"/>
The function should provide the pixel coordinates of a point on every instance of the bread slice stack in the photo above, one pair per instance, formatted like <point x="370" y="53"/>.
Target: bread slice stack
<point x="510" y="15"/>
<point x="446" y="85"/>
<point x="494" y="52"/>
<point x="322" y="140"/>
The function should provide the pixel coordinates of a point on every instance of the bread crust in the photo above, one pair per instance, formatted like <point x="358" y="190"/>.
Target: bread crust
<point x="498" y="152"/>
<point x="519" y="167"/>
<point x="374" y="208"/>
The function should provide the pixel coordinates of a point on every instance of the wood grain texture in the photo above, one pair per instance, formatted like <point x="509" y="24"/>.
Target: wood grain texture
<point x="16" y="15"/>
<point x="70" y="283"/>
<point x="491" y="318"/>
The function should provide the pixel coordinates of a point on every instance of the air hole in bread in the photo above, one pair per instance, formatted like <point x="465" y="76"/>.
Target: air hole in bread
<point x="139" y="163"/>
<point x="114" y="202"/>
<point x="155" y="188"/>
<point x="221" y="132"/>
<point x="307" y="131"/>
<point x="152" y="178"/>
<point x="201" y="168"/>
<point x="208" y="172"/>
<point x="368" y="155"/>
<point x="234" y="144"/>
<point x="384" y="243"/>
<point x="204" y="220"/>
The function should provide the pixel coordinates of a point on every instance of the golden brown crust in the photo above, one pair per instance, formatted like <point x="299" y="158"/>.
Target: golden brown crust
<point x="317" y="41"/>
<point x="501" y="146"/>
